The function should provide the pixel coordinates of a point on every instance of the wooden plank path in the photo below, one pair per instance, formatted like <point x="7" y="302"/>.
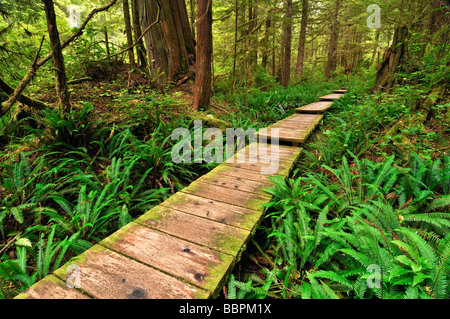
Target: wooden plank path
<point x="186" y="247"/>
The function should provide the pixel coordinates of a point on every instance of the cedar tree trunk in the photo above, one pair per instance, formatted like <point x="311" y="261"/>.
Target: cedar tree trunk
<point x="202" y="90"/>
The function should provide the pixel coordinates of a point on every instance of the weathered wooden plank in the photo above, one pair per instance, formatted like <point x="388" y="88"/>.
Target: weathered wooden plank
<point x="302" y="118"/>
<point x="227" y="195"/>
<point x="340" y="91"/>
<point x="107" y="274"/>
<point x="274" y="168"/>
<point x="317" y="107"/>
<point x="51" y="287"/>
<point x="240" y="183"/>
<point x="227" y="169"/>
<point x="198" y="265"/>
<point x="286" y="135"/>
<point x="206" y="232"/>
<point x="264" y="153"/>
<point x="330" y="97"/>
<point x="211" y="209"/>
<point x="294" y="129"/>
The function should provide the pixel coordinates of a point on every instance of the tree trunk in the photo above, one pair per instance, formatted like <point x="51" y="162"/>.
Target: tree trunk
<point x="192" y="16"/>
<point x="236" y="30"/>
<point x="266" y="48"/>
<point x="375" y="48"/>
<point x="58" y="60"/>
<point x="202" y="90"/>
<point x="392" y="61"/>
<point x="130" y="42"/>
<point x="108" y="52"/>
<point x="253" y="39"/>
<point x="302" y="39"/>
<point x="286" y="73"/>
<point x="140" y="48"/>
<point x="170" y="45"/>
<point x="331" y="64"/>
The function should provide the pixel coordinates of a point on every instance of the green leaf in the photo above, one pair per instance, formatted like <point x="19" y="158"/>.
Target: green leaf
<point x="404" y="260"/>
<point x="439" y="202"/>
<point x="418" y="278"/>
<point x="17" y="214"/>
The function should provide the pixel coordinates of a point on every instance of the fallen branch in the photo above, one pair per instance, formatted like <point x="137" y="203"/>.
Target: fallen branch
<point x="77" y="81"/>
<point x="10" y="242"/>
<point x="22" y="98"/>
<point x="221" y="109"/>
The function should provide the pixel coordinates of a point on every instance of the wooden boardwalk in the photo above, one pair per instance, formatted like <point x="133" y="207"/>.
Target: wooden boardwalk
<point x="187" y="246"/>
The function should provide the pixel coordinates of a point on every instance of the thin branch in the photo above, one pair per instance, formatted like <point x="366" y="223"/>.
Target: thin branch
<point x="22" y="85"/>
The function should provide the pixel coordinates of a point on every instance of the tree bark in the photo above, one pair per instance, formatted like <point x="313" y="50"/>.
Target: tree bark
<point x="331" y="64"/>
<point x="128" y="31"/>
<point x="286" y="73"/>
<point x="302" y="39"/>
<point x="253" y="39"/>
<point x="21" y="98"/>
<point x="266" y="43"/>
<point x="375" y="47"/>
<point x="140" y="48"/>
<point x="58" y="59"/>
<point x="392" y="61"/>
<point x="236" y="30"/>
<point x="170" y="43"/>
<point x="202" y="90"/>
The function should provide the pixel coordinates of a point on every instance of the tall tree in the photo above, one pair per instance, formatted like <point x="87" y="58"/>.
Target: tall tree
<point x="302" y="39"/>
<point x="202" y="90"/>
<point x="286" y="70"/>
<point x="140" y="48"/>
<point x="266" y="44"/>
<point x="170" y="44"/>
<point x="128" y="31"/>
<point x="332" y="48"/>
<point x="393" y="60"/>
<point x="58" y="59"/>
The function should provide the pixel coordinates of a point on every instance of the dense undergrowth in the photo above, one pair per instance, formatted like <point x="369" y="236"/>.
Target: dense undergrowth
<point x="72" y="180"/>
<point x="365" y="214"/>
<point x="67" y="181"/>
